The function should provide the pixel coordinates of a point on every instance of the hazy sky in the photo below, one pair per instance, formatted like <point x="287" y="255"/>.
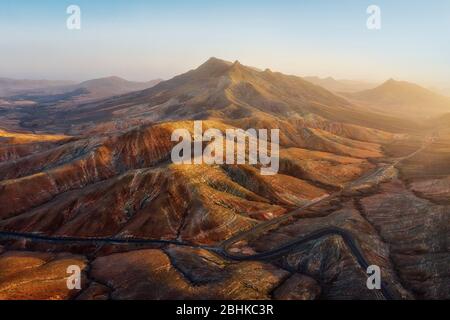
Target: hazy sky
<point x="145" y="39"/>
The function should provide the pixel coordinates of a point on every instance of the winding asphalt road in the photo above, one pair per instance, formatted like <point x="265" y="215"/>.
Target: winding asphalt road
<point x="263" y="256"/>
<point x="222" y="249"/>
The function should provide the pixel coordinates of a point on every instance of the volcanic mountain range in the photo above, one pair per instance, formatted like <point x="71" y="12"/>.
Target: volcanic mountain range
<point x="102" y="169"/>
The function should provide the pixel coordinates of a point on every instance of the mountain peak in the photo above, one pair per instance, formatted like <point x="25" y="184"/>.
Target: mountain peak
<point x="114" y="78"/>
<point x="236" y="66"/>
<point x="104" y="80"/>
<point x="405" y="99"/>
<point x="393" y="84"/>
<point x="215" y="62"/>
<point x="213" y="66"/>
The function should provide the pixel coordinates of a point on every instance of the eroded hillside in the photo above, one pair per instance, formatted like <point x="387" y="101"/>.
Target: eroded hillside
<point x="99" y="190"/>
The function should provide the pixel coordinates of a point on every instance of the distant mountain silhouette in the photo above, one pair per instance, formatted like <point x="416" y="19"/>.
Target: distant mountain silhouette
<point x="402" y="98"/>
<point x="340" y="85"/>
<point x="109" y="86"/>
<point x="10" y="87"/>
<point x="87" y="90"/>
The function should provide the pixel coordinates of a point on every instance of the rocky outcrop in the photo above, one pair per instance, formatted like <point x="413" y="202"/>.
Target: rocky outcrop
<point x="417" y="231"/>
<point x="298" y="287"/>
<point x="436" y="190"/>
